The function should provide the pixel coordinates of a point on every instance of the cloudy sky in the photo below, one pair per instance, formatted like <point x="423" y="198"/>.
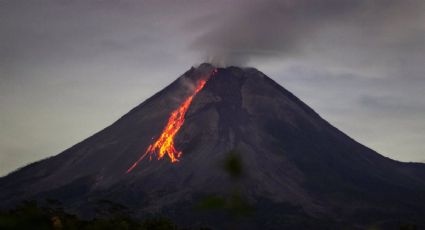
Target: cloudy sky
<point x="69" y="68"/>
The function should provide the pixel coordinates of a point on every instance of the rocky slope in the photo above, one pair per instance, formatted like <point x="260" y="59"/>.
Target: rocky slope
<point x="298" y="170"/>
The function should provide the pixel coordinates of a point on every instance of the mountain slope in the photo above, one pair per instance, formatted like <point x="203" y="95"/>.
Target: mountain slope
<point x="295" y="163"/>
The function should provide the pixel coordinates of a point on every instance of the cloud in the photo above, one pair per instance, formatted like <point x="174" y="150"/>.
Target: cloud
<point x="391" y="104"/>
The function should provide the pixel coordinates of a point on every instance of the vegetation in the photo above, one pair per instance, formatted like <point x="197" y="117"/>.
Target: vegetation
<point x="30" y="215"/>
<point x="233" y="205"/>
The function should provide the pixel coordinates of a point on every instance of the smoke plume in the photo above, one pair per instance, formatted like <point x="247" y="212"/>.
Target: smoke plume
<point x="249" y="30"/>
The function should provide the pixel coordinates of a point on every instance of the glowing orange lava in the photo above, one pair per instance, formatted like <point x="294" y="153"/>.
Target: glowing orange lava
<point x="165" y="143"/>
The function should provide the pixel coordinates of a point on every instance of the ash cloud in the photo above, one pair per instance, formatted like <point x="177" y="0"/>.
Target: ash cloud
<point x="250" y="30"/>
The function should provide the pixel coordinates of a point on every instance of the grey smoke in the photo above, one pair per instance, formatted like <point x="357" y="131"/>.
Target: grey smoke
<point x="250" y="30"/>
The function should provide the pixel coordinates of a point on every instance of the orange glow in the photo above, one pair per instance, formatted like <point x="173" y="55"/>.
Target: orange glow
<point x="164" y="145"/>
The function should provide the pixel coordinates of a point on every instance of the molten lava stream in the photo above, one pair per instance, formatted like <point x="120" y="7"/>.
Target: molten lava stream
<point x="165" y="143"/>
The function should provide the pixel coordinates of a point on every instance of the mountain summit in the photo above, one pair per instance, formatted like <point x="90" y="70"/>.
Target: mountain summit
<point x="166" y="154"/>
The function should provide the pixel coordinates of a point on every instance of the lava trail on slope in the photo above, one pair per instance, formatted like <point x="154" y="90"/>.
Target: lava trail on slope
<point x="165" y="143"/>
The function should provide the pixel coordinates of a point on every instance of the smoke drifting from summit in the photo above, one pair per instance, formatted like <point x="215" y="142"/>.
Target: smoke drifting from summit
<point x="249" y="30"/>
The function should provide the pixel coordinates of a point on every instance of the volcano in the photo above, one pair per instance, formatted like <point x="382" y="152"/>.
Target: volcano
<point x="166" y="155"/>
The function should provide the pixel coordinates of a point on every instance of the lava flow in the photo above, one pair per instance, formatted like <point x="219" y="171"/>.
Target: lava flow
<point x="165" y="143"/>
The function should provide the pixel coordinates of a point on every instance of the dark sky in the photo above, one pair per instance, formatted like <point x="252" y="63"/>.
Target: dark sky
<point x="69" y="68"/>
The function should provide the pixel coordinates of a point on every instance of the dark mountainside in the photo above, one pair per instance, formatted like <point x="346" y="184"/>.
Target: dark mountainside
<point x="298" y="170"/>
